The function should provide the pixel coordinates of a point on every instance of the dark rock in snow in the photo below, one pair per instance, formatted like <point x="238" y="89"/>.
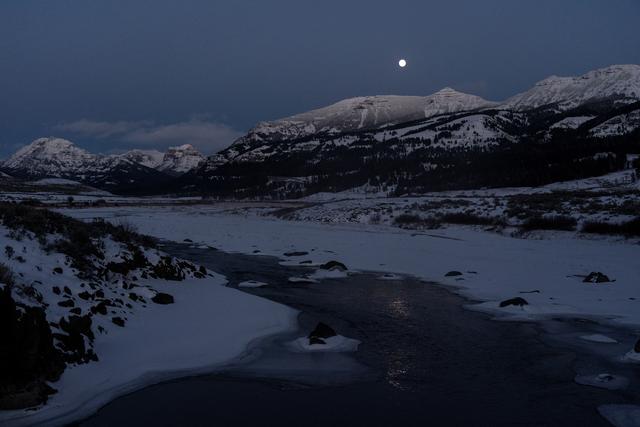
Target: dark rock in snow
<point x="84" y="295"/>
<point x="322" y="330"/>
<point x="514" y="301"/>
<point x="73" y="343"/>
<point x="167" y="270"/>
<point x="57" y="270"/>
<point x="334" y="265"/>
<point x="67" y="290"/>
<point x="100" y="308"/>
<point x="316" y="340"/>
<point x="77" y="325"/>
<point x="596" y="277"/>
<point x="162" y="298"/>
<point x="118" y="321"/>
<point x="56" y="290"/>
<point x="76" y="311"/>
<point x="453" y="274"/>
<point x="67" y="303"/>
<point x="296" y="253"/>
<point x="31" y="394"/>
<point x="637" y="347"/>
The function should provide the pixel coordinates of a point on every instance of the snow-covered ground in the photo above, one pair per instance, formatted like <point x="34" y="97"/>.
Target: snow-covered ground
<point x="494" y="267"/>
<point x="207" y="326"/>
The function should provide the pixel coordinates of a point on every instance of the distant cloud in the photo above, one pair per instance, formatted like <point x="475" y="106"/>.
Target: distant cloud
<point x="98" y="129"/>
<point x="206" y="135"/>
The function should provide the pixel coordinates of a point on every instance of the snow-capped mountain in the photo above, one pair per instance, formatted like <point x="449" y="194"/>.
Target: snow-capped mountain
<point x="50" y="157"/>
<point x="367" y="113"/>
<point x="179" y="160"/>
<point x="149" y="158"/>
<point x="445" y="140"/>
<point x="620" y="82"/>
<point x="58" y="158"/>
<point x="563" y="128"/>
<point x="176" y="161"/>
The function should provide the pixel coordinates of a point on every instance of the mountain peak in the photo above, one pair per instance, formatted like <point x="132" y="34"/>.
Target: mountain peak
<point x="448" y="91"/>
<point x="616" y="81"/>
<point x="55" y="152"/>
<point x="365" y="113"/>
<point x="180" y="159"/>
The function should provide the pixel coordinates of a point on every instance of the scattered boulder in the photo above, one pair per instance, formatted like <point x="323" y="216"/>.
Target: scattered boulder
<point x="162" y="298"/>
<point x="84" y="295"/>
<point x="100" y="308"/>
<point x="67" y="303"/>
<point x="316" y="340"/>
<point x="167" y="270"/>
<point x="334" y="265"/>
<point x="517" y="301"/>
<point x="118" y="321"/>
<point x="296" y="253"/>
<point x="80" y="325"/>
<point x="67" y="290"/>
<point x="57" y="270"/>
<point x="596" y="277"/>
<point x="73" y="343"/>
<point x="320" y="333"/>
<point x="453" y="274"/>
<point x="56" y="290"/>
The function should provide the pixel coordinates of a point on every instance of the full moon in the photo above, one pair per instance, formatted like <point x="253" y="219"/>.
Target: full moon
<point x="402" y="63"/>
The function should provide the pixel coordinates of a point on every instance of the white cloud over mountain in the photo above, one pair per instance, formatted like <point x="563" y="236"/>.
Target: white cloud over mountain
<point x="207" y="135"/>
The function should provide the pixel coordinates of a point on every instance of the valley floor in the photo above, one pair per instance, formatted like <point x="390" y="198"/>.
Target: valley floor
<point x="488" y="262"/>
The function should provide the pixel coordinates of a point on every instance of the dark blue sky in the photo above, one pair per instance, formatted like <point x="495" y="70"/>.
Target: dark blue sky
<point x="116" y="74"/>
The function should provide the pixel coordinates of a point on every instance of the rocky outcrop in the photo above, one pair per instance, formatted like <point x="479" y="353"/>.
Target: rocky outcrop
<point x="517" y="301"/>
<point x="28" y="358"/>
<point x="596" y="277"/>
<point x="321" y="332"/>
<point x="334" y="266"/>
<point x="162" y="298"/>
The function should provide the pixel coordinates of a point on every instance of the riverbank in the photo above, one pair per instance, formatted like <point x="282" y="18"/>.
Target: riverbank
<point x="493" y="267"/>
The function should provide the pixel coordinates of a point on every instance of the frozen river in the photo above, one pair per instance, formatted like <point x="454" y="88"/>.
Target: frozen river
<point x="424" y="360"/>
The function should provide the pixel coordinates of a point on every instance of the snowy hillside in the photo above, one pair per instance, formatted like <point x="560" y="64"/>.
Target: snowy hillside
<point x="618" y="125"/>
<point x="617" y="81"/>
<point x="104" y="312"/>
